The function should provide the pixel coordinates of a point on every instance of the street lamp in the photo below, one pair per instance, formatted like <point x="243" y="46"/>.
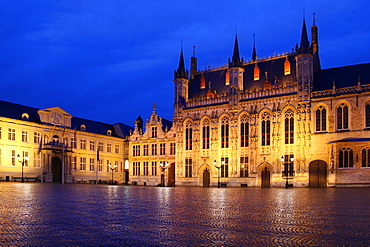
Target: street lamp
<point x="22" y="161"/>
<point x="164" y="166"/>
<point x="112" y="169"/>
<point x="288" y="172"/>
<point x="218" y="172"/>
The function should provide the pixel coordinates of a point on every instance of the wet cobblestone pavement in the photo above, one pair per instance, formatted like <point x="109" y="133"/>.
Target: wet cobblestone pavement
<point x="34" y="214"/>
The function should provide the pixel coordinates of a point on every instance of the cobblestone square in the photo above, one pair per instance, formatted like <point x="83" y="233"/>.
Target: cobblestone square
<point x="35" y="214"/>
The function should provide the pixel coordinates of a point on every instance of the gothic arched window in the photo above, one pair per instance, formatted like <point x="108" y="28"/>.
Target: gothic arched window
<point x="244" y="131"/>
<point x="205" y="134"/>
<point x="345" y="158"/>
<point x="366" y="157"/>
<point x="342" y="117"/>
<point x="224" y="132"/>
<point x="367" y="115"/>
<point x="265" y="130"/>
<point x="321" y="119"/>
<point x="188" y="136"/>
<point x="289" y="127"/>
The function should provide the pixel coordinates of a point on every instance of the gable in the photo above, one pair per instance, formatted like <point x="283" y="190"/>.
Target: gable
<point x="55" y="116"/>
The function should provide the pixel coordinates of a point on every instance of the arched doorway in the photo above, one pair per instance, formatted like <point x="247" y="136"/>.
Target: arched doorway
<point x="206" y="178"/>
<point x="318" y="173"/>
<point x="265" y="177"/>
<point x="171" y="175"/>
<point x="56" y="166"/>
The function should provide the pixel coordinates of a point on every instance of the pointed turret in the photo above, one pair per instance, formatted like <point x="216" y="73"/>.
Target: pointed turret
<point x="193" y="66"/>
<point x="235" y="60"/>
<point x="254" y="53"/>
<point x="181" y="72"/>
<point x="305" y="44"/>
<point x="315" y="44"/>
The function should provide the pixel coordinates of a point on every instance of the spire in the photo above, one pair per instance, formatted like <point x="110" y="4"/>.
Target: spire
<point x="254" y="53"/>
<point x="315" y="44"/>
<point x="180" y="72"/>
<point x="305" y="44"/>
<point x="235" y="60"/>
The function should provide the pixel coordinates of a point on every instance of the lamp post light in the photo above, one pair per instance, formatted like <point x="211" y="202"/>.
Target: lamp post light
<point x="288" y="172"/>
<point x="22" y="162"/>
<point x="218" y="173"/>
<point x="164" y="166"/>
<point x="112" y="167"/>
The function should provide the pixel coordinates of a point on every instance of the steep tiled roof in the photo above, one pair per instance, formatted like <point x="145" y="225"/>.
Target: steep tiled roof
<point x="15" y="111"/>
<point x="342" y="76"/>
<point x="215" y="79"/>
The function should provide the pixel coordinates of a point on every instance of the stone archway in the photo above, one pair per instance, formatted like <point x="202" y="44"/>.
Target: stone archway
<point x="56" y="166"/>
<point x="318" y="174"/>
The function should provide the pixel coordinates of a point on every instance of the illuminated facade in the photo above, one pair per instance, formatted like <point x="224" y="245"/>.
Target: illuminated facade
<point x="54" y="146"/>
<point x="277" y="121"/>
<point x="152" y="152"/>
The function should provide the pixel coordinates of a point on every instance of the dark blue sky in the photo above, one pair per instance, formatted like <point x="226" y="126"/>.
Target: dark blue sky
<point x="110" y="60"/>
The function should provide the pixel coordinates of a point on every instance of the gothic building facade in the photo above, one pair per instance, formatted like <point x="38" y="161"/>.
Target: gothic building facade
<point x="277" y="121"/>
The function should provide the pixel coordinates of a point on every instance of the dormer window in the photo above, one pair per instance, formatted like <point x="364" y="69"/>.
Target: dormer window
<point x="287" y="67"/>
<point x="256" y="73"/>
<point x="83" y="127"/>
<point x="202" y="82"/>
<point x="25" y="116"/>
<point x="227" y="78"/>
<point x="109" y="132"/>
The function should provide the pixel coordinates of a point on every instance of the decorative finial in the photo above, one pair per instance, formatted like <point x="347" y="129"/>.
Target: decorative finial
<point x="154" y="107"/>
<point x="254" y="38"/>
<point x="193" y="50"/>
<point x="314" y="19"/>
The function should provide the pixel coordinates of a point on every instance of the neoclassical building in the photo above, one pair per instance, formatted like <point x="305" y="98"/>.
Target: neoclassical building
<point x="51" y="145"/>
<point x="276" y="121"/>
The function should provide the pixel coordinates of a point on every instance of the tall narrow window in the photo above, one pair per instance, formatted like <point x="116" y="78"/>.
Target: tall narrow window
<point x="244" y="131"/>
<point x="345" y="158"/>
<point x="225" y="167"/>
<point x="205" y="134"/>
<point x="12" y="157"/>
<point x="136" y="168"/>
<point x="162" y="148"/>
<point x="146" y="168"/>
<point x="100" y="165"/>
<point x="92" y="145"/>
<point x="82" y="163"/>
<point x="188" y="136"/>
<point x="36" y="137"/>
<point x="154" y="132"/>
<point x="83" y="144"/>
<point x="366" y="157"/>
<point x="289" y="127"/>
<point x="73" y="142"/>
<point x="224" y="132"/>
<point x="266" y="135"/>
<point x="321" y="119"/>
<point x="11" y="134"/>
<point x="172" y="148"/>
<point x="154" y="168"/>
<point x="92" y="164"/>
<point x="342" y="117"/>
<point x="146" y="150"/>
<point x="227" y="78"/>
<point x="154" y="149"/>
<point x="73" y="163"/>
<point x="256" y="72"/>
<point x="287" y="67"/>
<point x="24" y="136"/>
<point x="367" y="112"/>
<point x="188" y="168"/>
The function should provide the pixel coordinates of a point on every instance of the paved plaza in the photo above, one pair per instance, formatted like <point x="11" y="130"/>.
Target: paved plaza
<point x="35" y="214"/>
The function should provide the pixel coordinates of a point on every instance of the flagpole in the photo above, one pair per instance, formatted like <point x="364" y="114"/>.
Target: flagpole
<point x="40" y="153"/>
<point x="63" y="163"/>
<point x="97" y="167"/>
